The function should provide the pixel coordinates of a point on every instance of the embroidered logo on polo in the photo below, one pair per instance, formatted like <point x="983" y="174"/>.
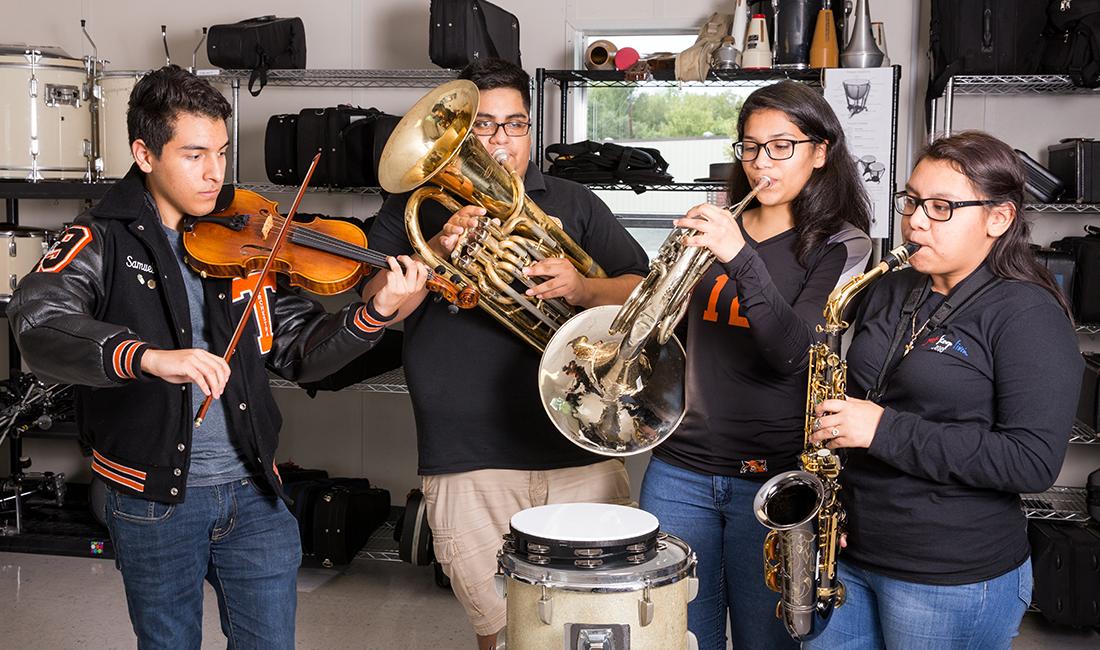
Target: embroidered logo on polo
<point x="65" y="249"/>
<point x="942" y="344"/>
<point x="261" y="310"/>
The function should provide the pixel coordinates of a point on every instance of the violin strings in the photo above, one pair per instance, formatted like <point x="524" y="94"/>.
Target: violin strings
<point x="325" y="242"/>
<point x="332" y="244"/>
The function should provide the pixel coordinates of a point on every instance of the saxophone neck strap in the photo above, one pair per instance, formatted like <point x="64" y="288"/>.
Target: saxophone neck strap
<point x="976" y="284"/>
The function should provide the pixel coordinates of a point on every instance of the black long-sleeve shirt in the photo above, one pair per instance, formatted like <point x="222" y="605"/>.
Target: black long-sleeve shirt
<point x="979" y="411"/>
<point x="750" y="325"/>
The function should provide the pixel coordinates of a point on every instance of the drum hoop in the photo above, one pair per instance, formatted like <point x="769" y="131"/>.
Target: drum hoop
<point x="646" y="538"/>
<point x="43" y="168"/>
<point x="47" y="66"/>
<point x="23" y="233"/>
<point x="595" y="582"/>
<point x="122" y="73"/>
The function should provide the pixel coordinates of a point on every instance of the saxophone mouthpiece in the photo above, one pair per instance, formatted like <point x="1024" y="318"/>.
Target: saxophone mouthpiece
<point x="764" y="183"/>
<point x="500" y="155"/>
<point x="899" y="255"/>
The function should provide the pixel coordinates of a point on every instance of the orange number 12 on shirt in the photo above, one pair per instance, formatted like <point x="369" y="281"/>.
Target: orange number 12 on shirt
<point x="711" y="313"/>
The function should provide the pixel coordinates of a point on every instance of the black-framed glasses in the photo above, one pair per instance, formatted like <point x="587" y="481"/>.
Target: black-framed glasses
<point x="778" y="149"/>
<point x="489" y="128"/>
<point x="936" y="209"/>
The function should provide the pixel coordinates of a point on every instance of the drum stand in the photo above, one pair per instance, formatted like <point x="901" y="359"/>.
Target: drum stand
<point x="14" y="421"/>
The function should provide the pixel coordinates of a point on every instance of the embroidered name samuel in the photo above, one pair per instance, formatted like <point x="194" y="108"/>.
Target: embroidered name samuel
<point x="141" y="266"/>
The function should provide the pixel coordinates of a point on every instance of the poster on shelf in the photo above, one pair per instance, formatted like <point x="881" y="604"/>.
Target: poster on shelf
<point x="863" y="100"/>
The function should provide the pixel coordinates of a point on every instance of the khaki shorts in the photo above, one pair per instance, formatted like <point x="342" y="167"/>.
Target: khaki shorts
<point x="469" y="514"/>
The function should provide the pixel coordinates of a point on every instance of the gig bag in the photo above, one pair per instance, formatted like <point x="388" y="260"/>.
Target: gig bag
<point x="1092" y="495"/>
<point x="1065" y="560"/>
<point x="1088" y="407"/>
<point x="1062" y="265"/>
<point x="1076" y="161"/>
<point x="1071" y="41"/>
<point x="463" y="31"/>
<point x="1040" y="182"/>
<point x="344" y="516"/>
<point x="281" y="149"/>
<point x="984" y="37"/>
<point x="348" y="138"/>
<point x="1086" y="282"/>
<point x="258" y="44"/>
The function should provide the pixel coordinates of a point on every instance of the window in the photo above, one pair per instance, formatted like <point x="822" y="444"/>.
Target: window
<point x="692" y="127"/>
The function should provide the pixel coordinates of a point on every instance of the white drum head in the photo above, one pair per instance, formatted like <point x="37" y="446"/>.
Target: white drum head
<point x="585" y="522"/>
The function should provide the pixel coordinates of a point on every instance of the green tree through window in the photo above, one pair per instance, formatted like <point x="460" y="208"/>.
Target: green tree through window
<point x="634" y="114"/>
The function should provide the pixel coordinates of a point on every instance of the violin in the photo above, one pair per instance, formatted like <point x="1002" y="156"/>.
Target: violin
<point x="324" y="256"/>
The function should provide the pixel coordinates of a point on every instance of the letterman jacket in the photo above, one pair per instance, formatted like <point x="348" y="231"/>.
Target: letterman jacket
<point x="111" y="289"/>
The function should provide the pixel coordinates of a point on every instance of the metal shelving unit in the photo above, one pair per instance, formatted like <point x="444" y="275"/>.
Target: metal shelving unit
<point x="568" y="80"/>
<point x="381" y="545"/>
<point x="666" y="187"/>
<point x="1083" y="435"/>
<point x="1078" y="208"/>
<point x="343" y="78"/>
<point x="270" y="188"/>
<point x="320" y="79"/>
<point x="392" y="382"/>
<point x="1057" y="504"/>
<point x="1089" y="329"/>
<point x="1003" y="85"/>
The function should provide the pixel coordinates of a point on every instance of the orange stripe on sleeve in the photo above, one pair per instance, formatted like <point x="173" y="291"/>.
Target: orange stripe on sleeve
<point x="122" y="480"/>
<point x="138" y="474"/>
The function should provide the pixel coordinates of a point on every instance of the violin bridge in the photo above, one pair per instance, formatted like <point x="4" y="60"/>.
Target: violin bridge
<point x="268" y="223"/>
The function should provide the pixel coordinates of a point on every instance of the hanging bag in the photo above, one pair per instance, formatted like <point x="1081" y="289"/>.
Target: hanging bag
<point x="258" y="44"/>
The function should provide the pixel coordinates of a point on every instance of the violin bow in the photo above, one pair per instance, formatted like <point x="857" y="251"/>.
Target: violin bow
<point x="284" y="230"/>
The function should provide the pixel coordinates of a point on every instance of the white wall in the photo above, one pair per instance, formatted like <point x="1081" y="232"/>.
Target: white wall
<point x="372" y="435"/>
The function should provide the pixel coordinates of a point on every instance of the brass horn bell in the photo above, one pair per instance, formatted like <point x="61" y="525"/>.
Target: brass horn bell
<point x="434" y="143"/>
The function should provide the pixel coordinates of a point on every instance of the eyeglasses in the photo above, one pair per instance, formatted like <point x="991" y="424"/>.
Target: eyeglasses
<point x="936" y="209"/>
<point x="489" y="128"/>
<point x="779" y="149"/>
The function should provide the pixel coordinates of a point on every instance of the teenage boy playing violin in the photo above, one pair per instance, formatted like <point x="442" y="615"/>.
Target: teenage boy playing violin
<point x="114" y="309"/>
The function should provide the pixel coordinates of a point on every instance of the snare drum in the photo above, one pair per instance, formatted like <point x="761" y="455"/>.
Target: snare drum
<point x="23" y="246"/>
<point x="113" y="93"/>
<point x="589" y="575"/>
<point x="46" y="115"/>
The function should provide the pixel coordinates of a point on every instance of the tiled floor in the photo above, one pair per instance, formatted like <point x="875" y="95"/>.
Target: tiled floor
<point x="63" y="602"/>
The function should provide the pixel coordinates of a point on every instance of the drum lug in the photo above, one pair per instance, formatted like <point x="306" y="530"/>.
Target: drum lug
<point x="645" y="608"/>
<point x="501" y="585"/>
<point x="13" y="281"/>
<point x="546" y="605"/>
<point x="693" y="588"/>
<point x="12" y="251"/>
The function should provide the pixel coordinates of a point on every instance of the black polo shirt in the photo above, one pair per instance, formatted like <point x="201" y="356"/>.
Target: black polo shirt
<point x="472" y="381"/>
<point x="978" y="412"/>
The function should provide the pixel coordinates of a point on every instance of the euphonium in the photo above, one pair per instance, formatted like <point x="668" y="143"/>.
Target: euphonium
<point x="612" y="378"/>
<point x="801" y="507"/>
<point x="435" y="142"/>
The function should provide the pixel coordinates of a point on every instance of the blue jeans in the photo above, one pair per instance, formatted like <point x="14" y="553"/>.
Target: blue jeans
<point x="713" y="514"/>
<point x="240" y="539"/>
<point x="882" y="612"/>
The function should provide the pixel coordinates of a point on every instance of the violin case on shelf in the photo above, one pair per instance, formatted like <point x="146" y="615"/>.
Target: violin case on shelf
<point x="350" y="138"/>
<point x="258" y="44"/>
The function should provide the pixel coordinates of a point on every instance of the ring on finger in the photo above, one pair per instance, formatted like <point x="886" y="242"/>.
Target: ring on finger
<point x="834" y="432"/>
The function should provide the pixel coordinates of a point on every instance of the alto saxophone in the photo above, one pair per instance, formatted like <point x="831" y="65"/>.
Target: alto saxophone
<point x="800" y="506"/>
